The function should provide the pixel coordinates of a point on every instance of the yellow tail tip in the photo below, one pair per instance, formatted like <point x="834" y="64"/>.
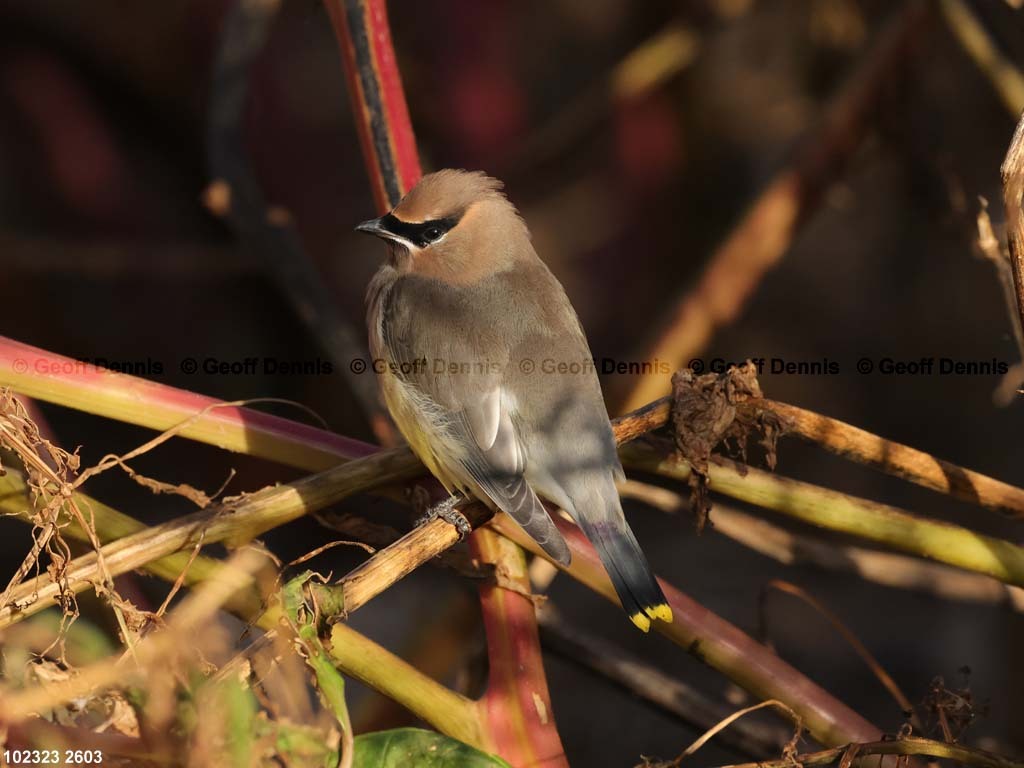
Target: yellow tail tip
<point x="643" y="618"/>
<point x="662" y="612"/>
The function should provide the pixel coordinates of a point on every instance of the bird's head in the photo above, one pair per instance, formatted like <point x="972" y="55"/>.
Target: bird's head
<point x="453" y="225"/>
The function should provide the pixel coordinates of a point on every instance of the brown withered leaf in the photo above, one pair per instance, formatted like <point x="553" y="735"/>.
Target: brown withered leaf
<point x="719" y="409"/>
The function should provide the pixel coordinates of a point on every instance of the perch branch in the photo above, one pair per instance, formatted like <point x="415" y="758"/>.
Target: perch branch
<point x="433" y="537"/>
<point x="355" y="654"/>
<point x="234" y="522"/>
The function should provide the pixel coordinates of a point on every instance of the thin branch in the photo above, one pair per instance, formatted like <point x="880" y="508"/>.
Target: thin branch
<point x="420" y="545"/>
<point x="719" y="644"/>
<point x="899" y="460"/>
<point x="53" y="378"/>
<point x="275" y="242"/>
<point x="884" y="568"/>
<point x="188" y="618"/>
<point x="732" y="719"/>
<point x="1005" y="78"/>
<point x="653" y="685"/>
<point x="111" y="525"/>
<point x="854" y="642"/>
<point x="355" y="654"/>
<point x="991" y="249"/>
<point x="236" y="522"/>
<point x="1013" y="187"/>
<point x="905" y="746"/>
<point x="871" y="521"/>
<point x="764" y="234"/>
<point x="861" y="446"/>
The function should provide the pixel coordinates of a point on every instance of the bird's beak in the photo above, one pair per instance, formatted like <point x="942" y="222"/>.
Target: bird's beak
<point x="373" y="227"/>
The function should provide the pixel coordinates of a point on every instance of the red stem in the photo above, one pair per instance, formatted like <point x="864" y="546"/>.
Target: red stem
<point x="516" y="708"/>
<point x="713" y="639"/>
<point x="55" y="378"/>
<point x="728" y="649"/>
<point x="378" y="101"/>
<point x="517" y="705"/>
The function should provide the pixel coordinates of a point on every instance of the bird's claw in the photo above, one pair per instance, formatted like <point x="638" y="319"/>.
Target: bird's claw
<point x="447" y="511"/>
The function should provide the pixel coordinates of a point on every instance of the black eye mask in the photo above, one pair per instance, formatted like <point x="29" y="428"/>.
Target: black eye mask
<point x="422" y="234"/>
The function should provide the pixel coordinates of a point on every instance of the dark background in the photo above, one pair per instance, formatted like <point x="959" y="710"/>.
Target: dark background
<point x="106" y="250"/>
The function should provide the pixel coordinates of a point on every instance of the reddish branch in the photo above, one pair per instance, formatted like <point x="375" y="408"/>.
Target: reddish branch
<point x="721" y="645"/>
<point x="517" y="706"/>
<point x="378" y="101"/>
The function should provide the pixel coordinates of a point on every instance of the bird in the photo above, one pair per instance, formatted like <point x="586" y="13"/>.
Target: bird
<point x="487" y="373"/>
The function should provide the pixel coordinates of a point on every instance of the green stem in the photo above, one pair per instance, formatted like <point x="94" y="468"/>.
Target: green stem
<point x="234" y="523"/>
<point x="911" y="745"/>
<point x="355" y="654"/>
<point x="449" y="712"/>
<point x="880" y="523"/>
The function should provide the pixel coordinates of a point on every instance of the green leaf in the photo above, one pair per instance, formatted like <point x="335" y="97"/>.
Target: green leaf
<point x="417" y="748"/>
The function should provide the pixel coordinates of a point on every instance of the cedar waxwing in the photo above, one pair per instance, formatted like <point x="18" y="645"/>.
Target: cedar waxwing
<point x="488" y="375"/>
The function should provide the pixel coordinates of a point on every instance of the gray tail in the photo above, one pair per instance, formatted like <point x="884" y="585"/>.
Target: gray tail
<point x="604" y="524"/>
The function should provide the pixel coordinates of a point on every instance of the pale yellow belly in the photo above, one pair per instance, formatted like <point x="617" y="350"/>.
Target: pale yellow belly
<point x="423" y="428"/>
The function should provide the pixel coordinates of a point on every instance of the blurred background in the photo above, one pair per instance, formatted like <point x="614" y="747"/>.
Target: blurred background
<point x="633" y="137"/>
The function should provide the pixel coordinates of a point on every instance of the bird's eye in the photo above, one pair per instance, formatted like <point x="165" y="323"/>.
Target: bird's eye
<point x="433" y="233"/>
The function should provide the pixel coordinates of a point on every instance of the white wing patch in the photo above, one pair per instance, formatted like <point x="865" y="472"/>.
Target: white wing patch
<point x="485" y="419"/>
<point x="490" y="422"/>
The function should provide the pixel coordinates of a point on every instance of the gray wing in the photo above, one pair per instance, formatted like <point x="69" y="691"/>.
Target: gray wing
<point x="445" y="348"/>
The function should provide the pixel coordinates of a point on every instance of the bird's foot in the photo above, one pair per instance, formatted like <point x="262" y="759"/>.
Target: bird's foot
<point x="446" y="509"/>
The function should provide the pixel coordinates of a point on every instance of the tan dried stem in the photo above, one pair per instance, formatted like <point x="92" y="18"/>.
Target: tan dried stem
<point x="884" y="568"/>
<point x="181" y="631"/>
<point x="904" y="746"/>
<point x="1012" y="172"/>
